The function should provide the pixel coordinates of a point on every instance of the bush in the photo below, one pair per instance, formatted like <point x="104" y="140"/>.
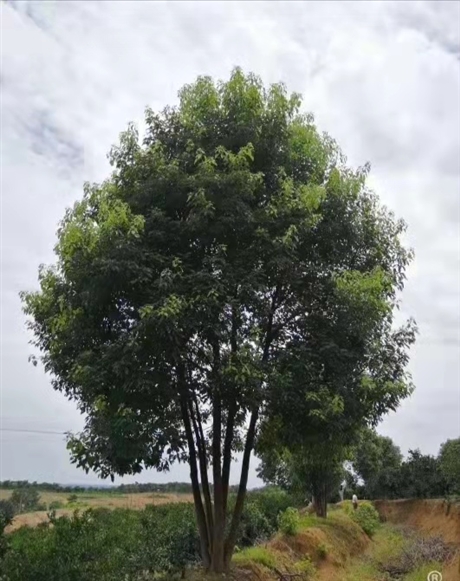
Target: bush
<point x="6" y="518"/>
<point x="72" y="498"/>
<point x="306" y="567"/>
<point x="254" y="526"/>
<point x="55" y="504"/>
<point x="366" y="516"/>
<point x="109" y="545"/>
<point x="6" y="510"/>
<point x="322" y="551"/>
<point x="289" y="521"/>
<point x="104" y="545"/>
<point x="260" y="515"/>
<point x="171" y="538"/>
<point x="25" y="499"/>
<point x="271" y="503"/>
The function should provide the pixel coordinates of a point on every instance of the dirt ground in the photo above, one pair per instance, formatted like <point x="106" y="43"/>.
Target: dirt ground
<point x="432" y="517"/>
<point x="90" y="499"/>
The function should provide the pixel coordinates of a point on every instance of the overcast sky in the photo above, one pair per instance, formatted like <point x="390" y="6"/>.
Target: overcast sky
<point x="382" y="78"/>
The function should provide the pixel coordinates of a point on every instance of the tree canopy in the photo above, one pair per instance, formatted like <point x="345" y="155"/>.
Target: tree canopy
<point x="231" y="269"/>
<point x="449" y="458"/>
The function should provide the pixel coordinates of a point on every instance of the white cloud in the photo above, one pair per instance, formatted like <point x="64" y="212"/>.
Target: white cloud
<point x="382" y="78"/>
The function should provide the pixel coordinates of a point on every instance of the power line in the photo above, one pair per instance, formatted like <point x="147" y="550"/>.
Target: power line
<point x="32" y="431"/>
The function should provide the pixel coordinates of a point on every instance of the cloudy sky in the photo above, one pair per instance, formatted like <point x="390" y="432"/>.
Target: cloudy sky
<point x="383" y="78"/>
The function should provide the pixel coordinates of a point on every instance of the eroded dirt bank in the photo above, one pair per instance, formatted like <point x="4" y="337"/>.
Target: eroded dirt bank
<point x="431" y="517"/>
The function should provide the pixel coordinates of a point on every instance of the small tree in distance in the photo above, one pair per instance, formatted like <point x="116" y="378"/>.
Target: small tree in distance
<point x="231" y="269"/>
<point x="449" y="459"/>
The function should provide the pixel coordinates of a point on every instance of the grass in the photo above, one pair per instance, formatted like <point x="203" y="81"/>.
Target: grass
<point x="388" y="543"/>
<point x="421" y="574"/>
<point x="259" y="555"/>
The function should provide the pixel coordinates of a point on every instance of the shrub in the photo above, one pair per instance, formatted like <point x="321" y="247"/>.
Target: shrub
<point x="171" y="538"/>
<point x="306" y="567"/>
<point x="25" y="499"/>
<point x="271" y="502"/>
<point x="72" y="498"/>
<point x="367" y="517"/>
<point x="289" y="521"/>
<point x="7" y="510"/>
<point x="322" y="550"/>
<point x="104" y="545"/>
<point x="6" y="518"/>
<point x="254" y="526"/>
<point x="260" y="515"/>
<point x="55" y="504"/>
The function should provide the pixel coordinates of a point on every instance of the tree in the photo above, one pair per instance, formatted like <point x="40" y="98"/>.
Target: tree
<point x="377" y="460"/>
<point x="25" y="499"/>
<point x="313" y="472"/>
<point x="230" y="261"/>
<point x="449" y="459"/>
<point x="421" y="477"/>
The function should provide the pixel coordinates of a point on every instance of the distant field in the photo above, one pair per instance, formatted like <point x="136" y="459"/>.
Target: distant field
<point x="90" y="499"/>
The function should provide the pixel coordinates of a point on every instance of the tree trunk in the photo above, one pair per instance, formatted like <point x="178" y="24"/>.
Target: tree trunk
<point x="320" y="500"/>
<point x="199" y="510"/>
<point x="232" y="535"/>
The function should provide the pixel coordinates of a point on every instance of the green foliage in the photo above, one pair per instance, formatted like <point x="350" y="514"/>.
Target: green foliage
<point x="103" y="545"/>
<point x="254" y="525"/>
<point x="175" y="487"/>
<point x="365" y="515"/>
<point x="289" y="521"/>
<point x="72" y="498"/>
<point x="55" y="504"/>
<point x="421" y="477"/>
<point x="306" y="567"/>
<point x="322" y="550"/>
<point x="449" y="460"/>
<point x="25" y="499"/>
<point x="260" y="515"/>
<point x="6" y="518"/>
<point x="271" y="502"/>
<point x="231" y="248"/>
<point x="312" y="469"/>
<point x="176" y="538"/>
<point x="378" y="461"/>
<point x="7" y="510"/>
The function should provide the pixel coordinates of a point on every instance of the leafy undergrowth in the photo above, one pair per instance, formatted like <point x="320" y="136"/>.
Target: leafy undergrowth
<point x="337" y="549"/>
<point x="313" y="544"/>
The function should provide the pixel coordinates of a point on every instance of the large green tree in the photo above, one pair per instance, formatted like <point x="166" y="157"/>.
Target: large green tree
<point x="225" y="271"/>
<point x="377" y="461"/>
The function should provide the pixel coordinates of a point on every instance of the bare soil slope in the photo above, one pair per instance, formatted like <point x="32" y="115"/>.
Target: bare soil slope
<point x="432" y="517"/>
